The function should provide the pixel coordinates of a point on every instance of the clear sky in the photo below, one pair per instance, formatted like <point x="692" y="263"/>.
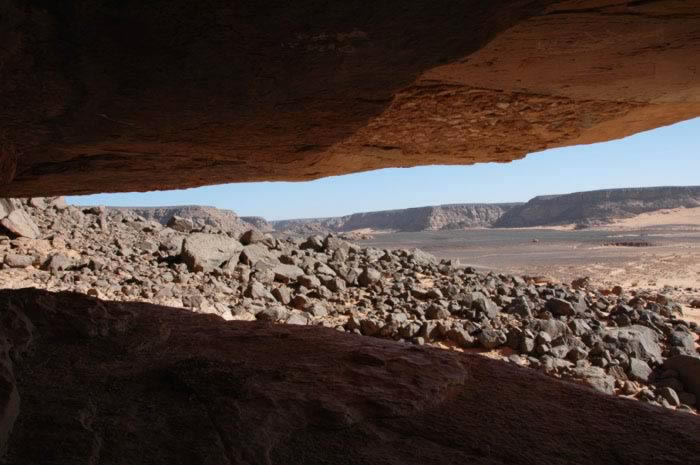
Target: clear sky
<point x="668" y="156"/>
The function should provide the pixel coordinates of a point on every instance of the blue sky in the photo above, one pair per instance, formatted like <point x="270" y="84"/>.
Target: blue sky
<point x="665" y="156"/>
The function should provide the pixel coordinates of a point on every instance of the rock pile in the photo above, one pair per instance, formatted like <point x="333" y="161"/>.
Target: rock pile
<point x="630" y="344"/>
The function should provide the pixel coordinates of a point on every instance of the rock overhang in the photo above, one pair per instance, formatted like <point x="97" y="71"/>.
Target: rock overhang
<point x="104" y="97"/>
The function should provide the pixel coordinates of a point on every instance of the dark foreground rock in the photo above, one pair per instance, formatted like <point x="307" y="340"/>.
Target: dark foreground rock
<point x="115" y="383"/>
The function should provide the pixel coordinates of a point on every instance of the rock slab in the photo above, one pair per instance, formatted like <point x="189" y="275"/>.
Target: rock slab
<point x="149" y="384"/>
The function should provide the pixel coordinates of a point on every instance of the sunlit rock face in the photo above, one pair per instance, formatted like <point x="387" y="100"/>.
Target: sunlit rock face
<point x="101" y="96"/>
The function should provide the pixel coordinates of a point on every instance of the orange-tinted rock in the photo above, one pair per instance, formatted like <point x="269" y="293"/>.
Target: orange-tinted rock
<point x="104" y="96"/>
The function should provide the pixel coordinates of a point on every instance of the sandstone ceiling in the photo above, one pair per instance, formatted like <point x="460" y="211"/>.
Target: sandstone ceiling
<point x="102" y="96"/>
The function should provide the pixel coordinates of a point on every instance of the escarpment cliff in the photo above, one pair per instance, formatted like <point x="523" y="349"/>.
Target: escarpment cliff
<point x="431" y="218"/>
<point x="598" y="207"/>
<point x="581" y="208"/>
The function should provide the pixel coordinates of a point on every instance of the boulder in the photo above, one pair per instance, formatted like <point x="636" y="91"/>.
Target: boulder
<point x="37" y="202"/>
<point x="6" y="207"/>
<point x="688" y="369"/>
<point x="313" y="243"/>
<point x="483" y="304"/>
<point x="204" y="252"/>
<point x="252" y="236"/>
<point x="436" y="312"/>
<point x="19" y="223"/>
<point x="309" y="281"/>
<point x="639" y="370"/>
<point x="423" y="258"/>
<point x="178" y="223"/>
<point x="272" y="314"/>
<point x="491" y="338"/>
<point x="555" y="328"/>
<point x="282" y="294"/>
<point x="58" y="203"/>
<point x="14" y="260"/>
<point x="287" y="273"/>
<point x="560" y="307"/>
<point x="670" y="396"/>
<point x="596" y="378"/>
<point x="460" y="337"/>
<point x="316" y="309"/>
<point x="57" y="262"/>
<point x="257" y="290"/>
<point x="638" y="341"/>
<point x="333" y="243"/>
<point x="368" y="277"/>
<point x="684" y="340"/>
<point x="253" y="254"/>
<point x="298" y="318"/>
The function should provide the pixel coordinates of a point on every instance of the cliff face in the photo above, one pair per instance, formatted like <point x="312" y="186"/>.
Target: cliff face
<point x="584" y="208"/>
<point x="432" y="218"/>
<point x="598" y="207"/>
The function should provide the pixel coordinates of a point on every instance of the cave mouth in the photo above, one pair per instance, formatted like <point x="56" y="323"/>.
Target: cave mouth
<point x="437" y="334"/>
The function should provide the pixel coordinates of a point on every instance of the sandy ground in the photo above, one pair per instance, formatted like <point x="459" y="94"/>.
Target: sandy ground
<point x="671" y="264"/>
<point x="671" y="217"/>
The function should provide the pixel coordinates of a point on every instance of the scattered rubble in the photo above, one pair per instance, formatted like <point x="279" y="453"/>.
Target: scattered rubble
<point x="625" y="343"/>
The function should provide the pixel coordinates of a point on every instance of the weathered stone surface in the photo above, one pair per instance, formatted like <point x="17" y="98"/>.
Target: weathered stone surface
<point x="639" y="370"/>
<point x="6" y="207"/>
<point x="639" y="341"/>
<point x="19" y="223"/>
<point x="201" y="251"/>
<point x="180" y="224"/>
<point x="688" y="369"/>
<point x="256" y="253"/>
<point x="258" y="393"/>
<point x="15" y="260"/>
<point x="287" y="273"/>
<point x="252" y="236"/>
<point x="177" y="105"/>
<point x="596" y="378"/>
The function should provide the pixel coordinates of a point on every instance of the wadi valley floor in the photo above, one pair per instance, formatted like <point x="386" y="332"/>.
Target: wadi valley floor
<point x="659" y="251"/>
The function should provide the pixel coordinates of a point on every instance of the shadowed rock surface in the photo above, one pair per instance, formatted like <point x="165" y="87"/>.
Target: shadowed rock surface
<point x="102" y="96"/>
<point x="140" y="383"/>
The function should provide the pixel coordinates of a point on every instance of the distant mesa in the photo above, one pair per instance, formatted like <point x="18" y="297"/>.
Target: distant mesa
<point x="582" y="209"/>
<point x="598" y="207"/>
<point x="431" y="218"/>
